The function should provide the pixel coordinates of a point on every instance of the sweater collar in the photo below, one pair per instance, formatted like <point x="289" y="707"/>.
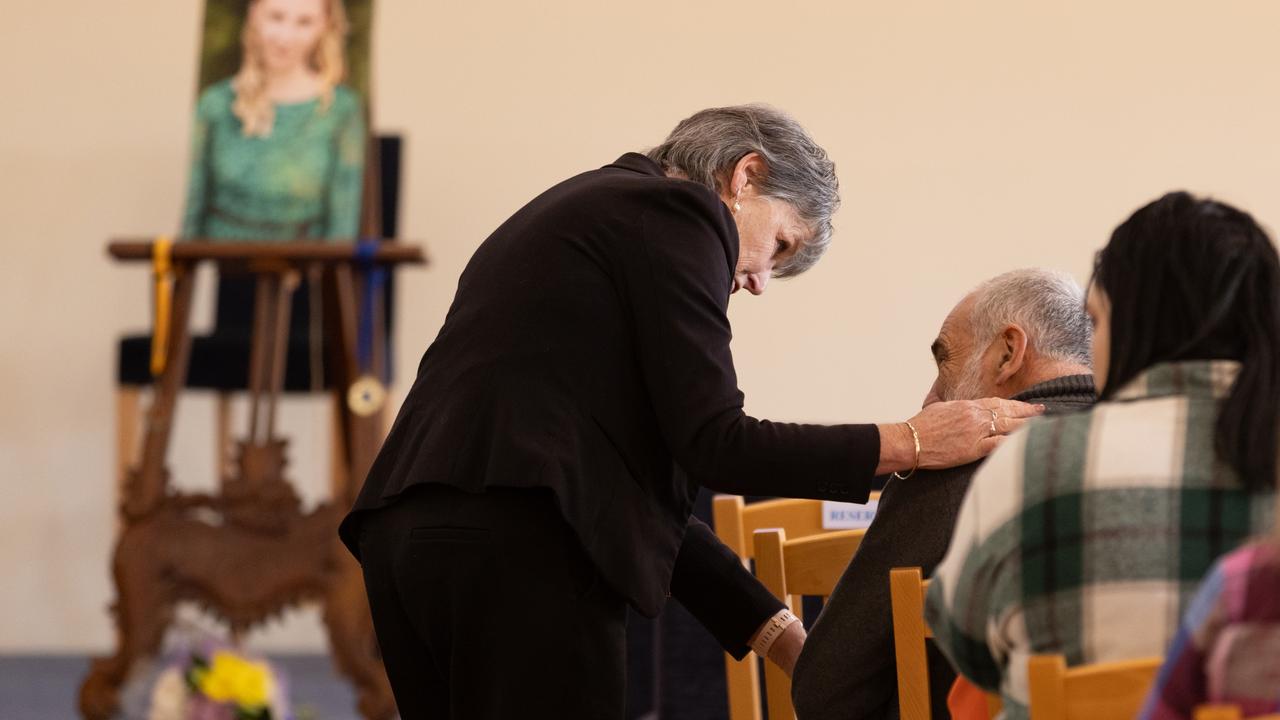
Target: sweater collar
<point x="1068" y="388"/>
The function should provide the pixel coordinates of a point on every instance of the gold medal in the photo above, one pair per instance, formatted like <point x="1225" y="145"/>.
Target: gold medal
<point x="366" y="395"/>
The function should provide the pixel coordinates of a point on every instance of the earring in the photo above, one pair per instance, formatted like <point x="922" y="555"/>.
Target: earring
<point x="737" y="206"/>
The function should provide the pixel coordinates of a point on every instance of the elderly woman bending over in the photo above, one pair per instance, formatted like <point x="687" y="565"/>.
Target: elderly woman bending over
<point x="541" y="472"/>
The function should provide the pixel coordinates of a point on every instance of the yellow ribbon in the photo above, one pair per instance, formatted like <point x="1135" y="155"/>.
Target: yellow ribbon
<point x="162" y="271"/>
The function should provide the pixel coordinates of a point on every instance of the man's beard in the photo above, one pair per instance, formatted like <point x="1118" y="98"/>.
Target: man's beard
<point x="968" y="386"/>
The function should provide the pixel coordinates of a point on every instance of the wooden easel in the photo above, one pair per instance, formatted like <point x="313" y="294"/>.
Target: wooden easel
<point x="248" y="552"/>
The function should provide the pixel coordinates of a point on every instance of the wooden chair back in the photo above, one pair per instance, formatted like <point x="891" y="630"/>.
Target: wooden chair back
<point x="794" y="568"/>
<point x="907" y="588"/>
<point x="1100" y="691"/>
<point x="906" y="595"/>
<point x="1227" y="712"/>
<point x="736" y="523"/>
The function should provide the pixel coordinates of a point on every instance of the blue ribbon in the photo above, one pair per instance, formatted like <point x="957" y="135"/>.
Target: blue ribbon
<point x="375" y="279"/>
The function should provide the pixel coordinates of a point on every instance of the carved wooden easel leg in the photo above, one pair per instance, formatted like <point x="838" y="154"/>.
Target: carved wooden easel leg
<point x="143" y="608"/>
<point x="147" y="486"/>
<point x="261" y="455"/>
<point x="222" y="435"/>
<point x="339" y="473"/>
<point x="346" y="606"/>
<point x="128" y="422"/>
<point x="363" y="434"/>
<point x="279" y="355"/>
<point x="259" y="352"/>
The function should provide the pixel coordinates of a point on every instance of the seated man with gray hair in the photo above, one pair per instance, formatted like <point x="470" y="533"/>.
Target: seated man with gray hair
<point x="1023" y="335"/>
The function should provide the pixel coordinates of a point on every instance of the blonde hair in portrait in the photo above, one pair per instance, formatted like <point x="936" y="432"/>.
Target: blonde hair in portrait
<point x="326" y="58"/>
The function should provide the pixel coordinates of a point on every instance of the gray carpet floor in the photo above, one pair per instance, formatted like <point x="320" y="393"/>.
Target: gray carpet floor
<point x="44" y="687"/>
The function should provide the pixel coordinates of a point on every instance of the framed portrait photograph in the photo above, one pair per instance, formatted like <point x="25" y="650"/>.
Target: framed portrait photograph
<point x="280" y="140"/>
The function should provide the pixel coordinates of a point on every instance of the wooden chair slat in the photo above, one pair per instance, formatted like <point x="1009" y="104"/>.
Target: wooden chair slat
<point x="1228" y="712"/>
<point x="735" y="524"/>
<point x="906" y="595"/>
<point x="792" y="568"/>
<point x="1100" y="691"/>
<point x="771" y="570"/>
<point x="813" y="561"/>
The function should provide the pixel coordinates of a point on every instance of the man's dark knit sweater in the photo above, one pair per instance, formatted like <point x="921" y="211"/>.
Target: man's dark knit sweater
<point x="847" y="667"/>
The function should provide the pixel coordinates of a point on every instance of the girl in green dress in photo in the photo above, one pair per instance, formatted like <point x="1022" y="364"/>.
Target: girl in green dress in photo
<point x="279" y="148"/>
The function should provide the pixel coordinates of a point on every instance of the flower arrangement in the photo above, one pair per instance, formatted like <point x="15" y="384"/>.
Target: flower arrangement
<point x="218" y="683"/>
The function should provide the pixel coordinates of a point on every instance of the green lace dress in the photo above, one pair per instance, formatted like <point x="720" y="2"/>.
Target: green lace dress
<point x="301" y="181"/>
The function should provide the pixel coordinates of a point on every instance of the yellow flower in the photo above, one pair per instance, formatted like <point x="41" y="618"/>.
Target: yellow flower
<point x="231" y="678"/>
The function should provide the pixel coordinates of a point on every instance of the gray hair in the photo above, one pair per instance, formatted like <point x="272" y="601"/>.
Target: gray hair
<point x="706" y="147"/>
<point x="1047" y="304"/>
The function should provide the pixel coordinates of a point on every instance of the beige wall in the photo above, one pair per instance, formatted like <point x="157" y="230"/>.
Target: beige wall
<point x="971" y="138"/>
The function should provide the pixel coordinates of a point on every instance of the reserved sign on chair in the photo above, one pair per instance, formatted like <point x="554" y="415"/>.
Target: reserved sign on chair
<point x="848" y="516"/>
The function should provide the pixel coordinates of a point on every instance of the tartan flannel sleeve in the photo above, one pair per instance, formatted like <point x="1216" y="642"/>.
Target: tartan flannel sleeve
<point x="975" y="585"/>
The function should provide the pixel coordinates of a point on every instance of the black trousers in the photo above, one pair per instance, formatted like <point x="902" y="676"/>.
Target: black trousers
<point x="486" y="606"/>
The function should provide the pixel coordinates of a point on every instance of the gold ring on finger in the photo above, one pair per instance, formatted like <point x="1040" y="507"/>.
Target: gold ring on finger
<point x="994" y="417"/>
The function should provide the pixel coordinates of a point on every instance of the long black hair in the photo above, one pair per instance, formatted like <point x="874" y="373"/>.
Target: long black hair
<point x="1196" y="279"/>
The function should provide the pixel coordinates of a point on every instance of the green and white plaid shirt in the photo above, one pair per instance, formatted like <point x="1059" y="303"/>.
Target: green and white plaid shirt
<point x="1086" y="534"/>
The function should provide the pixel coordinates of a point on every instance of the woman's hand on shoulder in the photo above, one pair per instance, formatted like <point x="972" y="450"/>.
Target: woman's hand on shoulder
<point x="961" y="431"/>
<point x="953" y="433"/>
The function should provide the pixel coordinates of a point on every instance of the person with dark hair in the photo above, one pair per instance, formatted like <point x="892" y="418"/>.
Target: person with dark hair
<point x="1086" y="534"/>
<point x="541" y="472"/>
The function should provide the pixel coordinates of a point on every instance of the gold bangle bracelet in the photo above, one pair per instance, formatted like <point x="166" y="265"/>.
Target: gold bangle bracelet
<point x="916" y="437"/>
